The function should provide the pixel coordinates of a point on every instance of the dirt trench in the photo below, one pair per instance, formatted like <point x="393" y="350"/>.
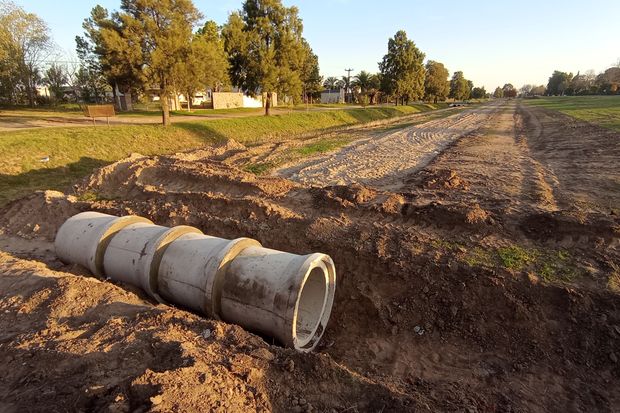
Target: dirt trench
<point x="431" y="314"/>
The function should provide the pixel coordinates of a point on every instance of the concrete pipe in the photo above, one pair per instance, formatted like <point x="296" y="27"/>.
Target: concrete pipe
<point x="282" y="295"/>
<point x="135" y="252"/>
<point x="83" y="238"/>
<point x="193" y="267"/>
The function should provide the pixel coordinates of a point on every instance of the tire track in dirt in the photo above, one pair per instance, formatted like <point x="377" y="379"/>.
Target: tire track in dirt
<point x="383" y="161"/>
<point x="542" y="184"/>
<point x="580" y="160"/>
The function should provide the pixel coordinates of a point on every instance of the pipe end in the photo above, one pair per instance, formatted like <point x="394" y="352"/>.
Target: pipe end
<point x="314" y="302"/>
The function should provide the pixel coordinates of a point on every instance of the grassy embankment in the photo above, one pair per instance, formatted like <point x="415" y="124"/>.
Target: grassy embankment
<point x="74" y="152"/>
<point x="600" y="110"/>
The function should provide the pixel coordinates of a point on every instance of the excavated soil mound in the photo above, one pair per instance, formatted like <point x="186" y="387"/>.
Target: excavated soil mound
<point x="442" y="304"/>
<point x="414" y="327"/>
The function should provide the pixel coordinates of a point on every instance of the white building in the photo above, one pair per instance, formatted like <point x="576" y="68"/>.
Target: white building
<point x="332" y="96"/>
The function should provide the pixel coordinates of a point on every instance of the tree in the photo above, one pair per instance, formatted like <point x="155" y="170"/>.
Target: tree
<point x="330" y="83"/>
<point x="368" y="85"/>
<point x="362" y="81"/>
<point x="582" y="84"/>
<point x="538" y="90"/>
<point x="459" y="87"/>
<point x="499" y="92"/>
<point x="147" y="41"/>
<point x="310" y="74"/>
<point x="101" y="53"/>
<point x="345" y="83"/>
<point x="266" y="50"/>
<point x="478" y="93"/>
<point x="558" y="83"/>
<point x="90" y="84"/>
<point x="509" y="91"/>
<point x="436" y="85"/>
<point x="608" y="82"/>
<point x="25" y="43"/>
<point x="526" y="89"/>
<point x="402" y="71"/>
<point x="206" y="65"/>
<point x="55" y="78"/>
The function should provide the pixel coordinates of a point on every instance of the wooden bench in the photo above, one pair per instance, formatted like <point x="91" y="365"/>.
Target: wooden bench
<point x="99" y="111"/>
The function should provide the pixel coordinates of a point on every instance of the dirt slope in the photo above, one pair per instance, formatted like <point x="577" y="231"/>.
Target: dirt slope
<point x="475" y="285"/>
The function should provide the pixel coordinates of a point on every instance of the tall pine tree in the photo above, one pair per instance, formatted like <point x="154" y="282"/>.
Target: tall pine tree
<point x="266" y="49"/>
<point x="402" y="70"/>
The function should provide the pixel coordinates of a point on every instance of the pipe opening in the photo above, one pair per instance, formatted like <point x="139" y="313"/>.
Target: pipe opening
<point x="311" y="305"/>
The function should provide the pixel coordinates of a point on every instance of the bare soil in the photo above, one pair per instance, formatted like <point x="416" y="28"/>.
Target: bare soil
<point x="483" y="278"/>
<point x="384" y="160"/>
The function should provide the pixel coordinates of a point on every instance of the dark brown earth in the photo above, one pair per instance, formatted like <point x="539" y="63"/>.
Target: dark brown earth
<point x="486" y="280"/>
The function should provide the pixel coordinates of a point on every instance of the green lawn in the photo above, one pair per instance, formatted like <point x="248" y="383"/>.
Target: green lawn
<point x="74" y="152"/>
<point x="600" y="110"/>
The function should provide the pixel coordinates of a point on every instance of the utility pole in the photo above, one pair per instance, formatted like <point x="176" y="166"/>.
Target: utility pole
<point x="348" y="86"/>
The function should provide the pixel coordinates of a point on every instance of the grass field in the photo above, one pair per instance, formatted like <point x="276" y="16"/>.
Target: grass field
<point x="74" y="152"/>
<point x="600" y="110"/>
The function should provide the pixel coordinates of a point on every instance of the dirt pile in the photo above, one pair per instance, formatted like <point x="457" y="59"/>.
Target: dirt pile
<point x="445" y="301"/>
<point x="39" y="215"/>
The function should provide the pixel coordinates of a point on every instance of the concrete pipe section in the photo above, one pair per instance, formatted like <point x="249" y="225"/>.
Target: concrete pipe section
<point x="285" y="296"/>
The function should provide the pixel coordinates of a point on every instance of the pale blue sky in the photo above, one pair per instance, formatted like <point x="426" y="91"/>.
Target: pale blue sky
<point x="492" y="42"/>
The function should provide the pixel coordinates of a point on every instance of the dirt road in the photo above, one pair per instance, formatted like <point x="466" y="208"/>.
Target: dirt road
<point x="384" y="160"/>
<point x="483" y="277"/>
<point x="513" y="154"/>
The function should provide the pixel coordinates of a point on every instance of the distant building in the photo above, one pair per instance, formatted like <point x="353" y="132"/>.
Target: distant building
<point x="332" y="96"/>
<point x="229" y="100"/>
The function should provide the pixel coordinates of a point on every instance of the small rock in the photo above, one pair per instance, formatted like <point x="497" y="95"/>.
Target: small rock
<point x="613" y="357"/>
<point x="290" y="365"/>
<point x="417" y="329"/>
<point x="302" y="402"/>
<point x="426" y="290"/>
<point x="206" y="333"/>
<point x="155" y="400"/>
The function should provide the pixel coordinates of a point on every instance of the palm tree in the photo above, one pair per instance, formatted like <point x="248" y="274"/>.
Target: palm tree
<point x="331" y="83"/>
<point x="362" y="80"/>
<point x="368" y="84"/>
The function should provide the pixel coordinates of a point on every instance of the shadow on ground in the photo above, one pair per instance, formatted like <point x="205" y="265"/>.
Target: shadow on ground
<point x="59" y="178"/>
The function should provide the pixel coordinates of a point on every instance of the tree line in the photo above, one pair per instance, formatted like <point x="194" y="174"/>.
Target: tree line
<point x="404" y="77"/>
<point x="160" y="47"/>
<point x="589" y="83"/>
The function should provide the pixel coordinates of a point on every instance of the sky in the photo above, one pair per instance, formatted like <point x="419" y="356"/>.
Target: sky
<point x="493" y="42"/>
